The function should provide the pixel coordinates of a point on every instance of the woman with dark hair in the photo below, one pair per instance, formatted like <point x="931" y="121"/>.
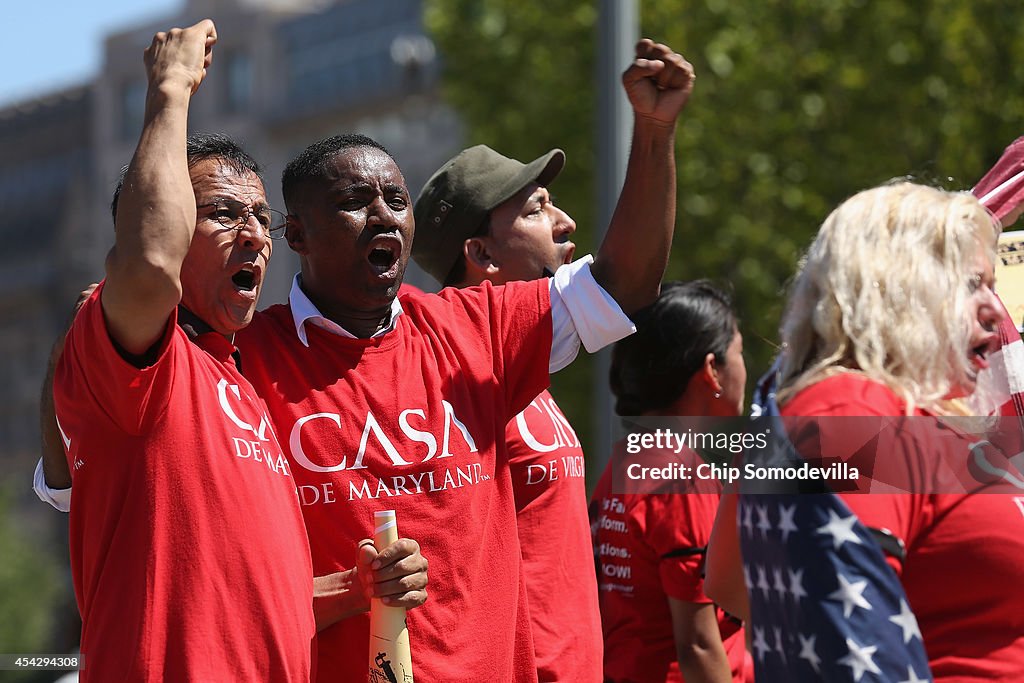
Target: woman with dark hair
<point x="685" y="360"/>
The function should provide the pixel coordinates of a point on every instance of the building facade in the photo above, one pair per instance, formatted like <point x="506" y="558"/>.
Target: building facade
<point x="286" y="73"/>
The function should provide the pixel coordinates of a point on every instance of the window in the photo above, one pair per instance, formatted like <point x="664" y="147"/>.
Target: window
<point x="133" y="106"/>
<point x="239" y="81"/>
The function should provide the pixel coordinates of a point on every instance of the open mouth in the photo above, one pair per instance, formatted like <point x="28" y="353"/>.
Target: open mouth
<point x="569" y="254"/>
<point x="384" y="253"/>
<point x="245" y="280"/>
<point x="980" y="353"/>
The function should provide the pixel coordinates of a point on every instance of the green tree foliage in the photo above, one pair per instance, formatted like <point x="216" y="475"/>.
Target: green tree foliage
<point x="521" y="76"/>
<point x="798" y="104"/>
<point x="29" y="591"/>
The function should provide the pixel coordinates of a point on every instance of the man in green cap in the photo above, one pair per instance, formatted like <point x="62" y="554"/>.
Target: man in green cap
<point x="484" y="217"/>
<point x="522" y="235"/>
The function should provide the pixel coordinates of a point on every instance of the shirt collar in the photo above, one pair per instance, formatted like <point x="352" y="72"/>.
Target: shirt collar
<point x="192" y="324"/>
<point x="303" y="311"/>
<point x="205" y="337"/>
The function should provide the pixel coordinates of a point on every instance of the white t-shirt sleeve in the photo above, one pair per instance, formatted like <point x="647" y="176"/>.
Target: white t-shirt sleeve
<point x="58" y="498"/>
<point x="582" y="311"/>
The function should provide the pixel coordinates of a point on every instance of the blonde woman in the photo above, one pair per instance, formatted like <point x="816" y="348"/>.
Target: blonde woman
<point x="893" y="314"/>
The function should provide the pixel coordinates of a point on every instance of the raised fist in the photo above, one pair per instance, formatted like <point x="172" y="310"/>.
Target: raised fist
<point x="658" y="82"/>
<point x="181" y="56"/>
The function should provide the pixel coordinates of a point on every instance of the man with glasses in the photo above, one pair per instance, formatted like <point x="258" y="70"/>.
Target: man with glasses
<point x="235" y="215"/>
<point x="188" y="551"/>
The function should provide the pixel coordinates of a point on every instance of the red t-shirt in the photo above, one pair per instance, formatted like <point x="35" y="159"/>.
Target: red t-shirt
<point x="650" y="547"/>
<point x="188" y="552"/>
<point x="406" y="289"/>
<point x="414" y="420"/>
<point x="964" y="553"/>
<point x="551" y="506"/>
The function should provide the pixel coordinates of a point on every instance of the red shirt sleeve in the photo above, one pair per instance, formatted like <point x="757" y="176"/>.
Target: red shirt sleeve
<point x="518" y="318"/>
<point x="92" y="369"/>
<point x="676" y="527"/>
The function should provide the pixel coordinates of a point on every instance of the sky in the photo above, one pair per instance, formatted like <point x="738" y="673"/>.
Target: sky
<point x="50" y="44"/>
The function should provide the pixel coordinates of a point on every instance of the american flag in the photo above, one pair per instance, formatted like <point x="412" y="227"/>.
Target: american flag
<point x="1001" y="190"/>
<point x="824" y="604"/>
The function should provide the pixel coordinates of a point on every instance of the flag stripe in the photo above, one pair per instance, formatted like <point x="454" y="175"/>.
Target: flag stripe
<point x="992" y="194"/>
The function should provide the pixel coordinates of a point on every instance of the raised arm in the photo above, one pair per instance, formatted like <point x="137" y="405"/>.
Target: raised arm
<point x="631" y="261"/>
<point x="156" y="212"/>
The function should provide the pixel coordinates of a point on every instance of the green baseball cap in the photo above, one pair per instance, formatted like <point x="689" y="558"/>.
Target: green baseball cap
<point x="457" y="199"/>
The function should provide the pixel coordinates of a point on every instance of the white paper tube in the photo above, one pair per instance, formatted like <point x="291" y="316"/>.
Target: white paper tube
<point x="390" y="659"/>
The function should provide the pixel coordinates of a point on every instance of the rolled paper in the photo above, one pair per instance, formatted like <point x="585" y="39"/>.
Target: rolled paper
<point x="390" y="658"/>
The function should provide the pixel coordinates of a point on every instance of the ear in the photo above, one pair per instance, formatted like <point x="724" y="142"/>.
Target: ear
<point x="709" y="374"/>
<point x="295" y="234"/>
<point x="479" y="258"/>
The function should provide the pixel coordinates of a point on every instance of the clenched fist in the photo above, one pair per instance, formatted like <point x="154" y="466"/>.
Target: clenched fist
<point x="181" y="56"/>
<point x="658" y="82"/>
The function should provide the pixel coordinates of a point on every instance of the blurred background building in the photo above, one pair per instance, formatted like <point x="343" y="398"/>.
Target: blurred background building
<point x="286" y="73"/>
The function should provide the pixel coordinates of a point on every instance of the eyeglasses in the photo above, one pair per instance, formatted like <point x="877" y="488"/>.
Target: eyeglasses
<point x="234" y="214"/>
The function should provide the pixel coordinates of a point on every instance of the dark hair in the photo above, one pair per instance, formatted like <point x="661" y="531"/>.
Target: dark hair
<point x="650" y="370"/>
<point x="458" y="272"/>
<point x="312" y="162"/>
<point x="199" y="147"/>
